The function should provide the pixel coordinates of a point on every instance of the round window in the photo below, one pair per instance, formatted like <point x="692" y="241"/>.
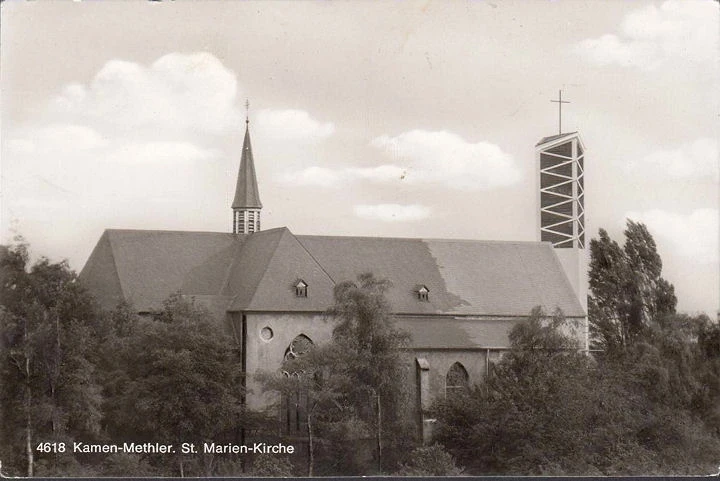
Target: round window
<point x="266" y="333"/>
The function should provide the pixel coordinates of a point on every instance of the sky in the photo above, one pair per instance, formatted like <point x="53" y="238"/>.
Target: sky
<point x="403" y="119"/>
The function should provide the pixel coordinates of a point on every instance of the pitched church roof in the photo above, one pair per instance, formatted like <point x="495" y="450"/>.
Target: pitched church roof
<point x="145" y="266"/>
<point x="246" y="190"/>
<point x="258" y="272"/>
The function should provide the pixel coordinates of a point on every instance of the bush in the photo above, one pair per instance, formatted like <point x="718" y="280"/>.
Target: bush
<point x="429" y="461"/>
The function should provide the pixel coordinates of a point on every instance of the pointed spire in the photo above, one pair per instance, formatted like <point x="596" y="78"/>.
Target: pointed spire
<point x="246" y="191"/>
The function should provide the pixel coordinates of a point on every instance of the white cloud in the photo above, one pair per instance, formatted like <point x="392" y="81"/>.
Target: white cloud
<point x="328" y="177"/>
<point x="178" y="92"/>
<point x="160" y="152"/>
<point x="610" y="49"/>
<point x="312" y="176"/>
<point x="697" y="160"/>
<point x="132" y="134"/>
<point x="425" y="157"/>
<point x="693" y="236"/>
<point x="392" y="212"/>
<point x="381" y="173"/>
<point x="684" y="30"/>
<point x="57" y="138"/>
<point x="292" y="125"/>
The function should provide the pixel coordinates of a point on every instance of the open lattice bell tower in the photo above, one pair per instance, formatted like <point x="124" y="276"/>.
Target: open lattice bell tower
<point x="560" y="161"/>
<point x="562" y="190"/>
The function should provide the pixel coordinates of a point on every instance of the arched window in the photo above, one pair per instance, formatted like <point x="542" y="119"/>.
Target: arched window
<point x="299" y="346"/>
<point x="456" y="380"/>
<point x="295" y="405"/>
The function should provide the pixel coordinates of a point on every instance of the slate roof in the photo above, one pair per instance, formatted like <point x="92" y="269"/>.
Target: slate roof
<point x="256" y="272"/>
<point x="246" y="190"/>
<point x="145" y="266"/>
<point x="464" y="277"/>
<point x="263" y="277"/>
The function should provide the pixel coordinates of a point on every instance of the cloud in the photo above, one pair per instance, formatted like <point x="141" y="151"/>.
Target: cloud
<point x="693" y="236"/>
<point x="422" y="157"/>
<point x="697" y="160"/>
<point x="56" y="138"/>
<point x="313" y="176"/>
<point x="144" y="153"/>
<point x="382" y="173"/>
<point x="653" y="35"/>
<point x="392" y="212"/>
<point x="335" y="178"/>
<point x="292" y="125"/>
<point x="178" y="92"/>
<point x="425" y="157"/>
<point x="133" y="133"/>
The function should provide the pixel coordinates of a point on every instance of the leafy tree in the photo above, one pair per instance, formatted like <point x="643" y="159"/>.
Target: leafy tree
<point x="367" y="335"/>
<point x="627" y="290"/>
<point x="176" y="380"/>
<point x="519" y="422"/>
<point x="313" y="374"/>
<point x="353" y="383"/>
<point x="548" y="409"/>
<point x="50" y="391"/>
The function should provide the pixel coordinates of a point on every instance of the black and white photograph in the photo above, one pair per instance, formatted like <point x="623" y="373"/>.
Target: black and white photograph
<point x="350" y="238"/>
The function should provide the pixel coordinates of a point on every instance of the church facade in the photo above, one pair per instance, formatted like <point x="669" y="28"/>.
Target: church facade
<point x="458" y="299"/>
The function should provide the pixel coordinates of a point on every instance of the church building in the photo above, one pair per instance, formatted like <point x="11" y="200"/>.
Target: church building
<point x="458" y="299"/>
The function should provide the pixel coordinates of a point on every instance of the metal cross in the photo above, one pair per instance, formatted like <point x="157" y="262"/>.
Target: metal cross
<point x="247" y="111"/>
<point x="560" y="101"/>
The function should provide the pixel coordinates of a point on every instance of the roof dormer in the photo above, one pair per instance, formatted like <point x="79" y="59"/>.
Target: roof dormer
<point x="423" y="293"/>
<point x="301" y="288"/>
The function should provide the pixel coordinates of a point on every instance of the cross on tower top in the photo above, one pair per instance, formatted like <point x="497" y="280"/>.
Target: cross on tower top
<point x="247" y="111"/>
<point x="560" y="101"/>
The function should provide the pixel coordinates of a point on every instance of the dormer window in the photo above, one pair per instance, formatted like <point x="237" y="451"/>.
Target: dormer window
<point x="423" y="293"/>
<point x="301" y="288"/>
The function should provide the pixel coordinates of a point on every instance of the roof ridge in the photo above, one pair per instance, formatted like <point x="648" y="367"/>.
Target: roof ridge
<point x="167" y="231"/>
<point x="425" y="239"/>
<point x="230" y="266"/>
<point x="322" y="268"/>
<point x="317" y="236"/>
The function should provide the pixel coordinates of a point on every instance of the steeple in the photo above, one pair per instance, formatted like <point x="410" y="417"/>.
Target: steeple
<point x="246" y="205"/>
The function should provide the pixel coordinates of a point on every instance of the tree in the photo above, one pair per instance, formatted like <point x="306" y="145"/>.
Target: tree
<point x="627" y="290"/>
<point x="707" y="398"/>
<point x="315" y="378"/>
<point x="176" y="380"/>
<point x="531" y="416"/>
<point x="353" y="383"/>
<point x="50" y="389"/>
<point x="549" y="409"/>
<point x="367" y="334"/>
